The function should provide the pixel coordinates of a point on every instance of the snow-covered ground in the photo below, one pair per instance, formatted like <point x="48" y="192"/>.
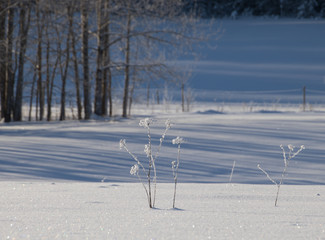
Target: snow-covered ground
<point x="89" y="150"/>
<point x="47" y="210"/>
<point x="70" y="180"/>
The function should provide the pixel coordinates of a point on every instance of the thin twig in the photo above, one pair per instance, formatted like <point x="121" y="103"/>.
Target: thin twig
<point x="232" y="171"/>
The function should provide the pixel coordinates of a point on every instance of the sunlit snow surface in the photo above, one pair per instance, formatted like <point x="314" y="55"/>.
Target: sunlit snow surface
<point x="46" y="210"/>
<point x="70" y="180"/>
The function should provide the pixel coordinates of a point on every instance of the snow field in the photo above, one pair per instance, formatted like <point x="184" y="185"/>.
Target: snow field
<point x="70" y="180"/>
<point x="89" y="151"/>
<point x="74" y="210"/>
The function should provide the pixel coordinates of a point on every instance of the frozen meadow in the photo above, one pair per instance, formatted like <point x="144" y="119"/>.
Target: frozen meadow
<point x="70" y="180"/>
<point x="71" y="210"/>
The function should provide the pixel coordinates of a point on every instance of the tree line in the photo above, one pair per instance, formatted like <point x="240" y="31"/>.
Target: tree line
<point x="235" y="8"/>
<point x="81" y="51"/>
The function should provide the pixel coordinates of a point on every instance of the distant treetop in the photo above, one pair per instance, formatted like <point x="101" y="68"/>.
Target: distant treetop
<point x="235" y="8"/>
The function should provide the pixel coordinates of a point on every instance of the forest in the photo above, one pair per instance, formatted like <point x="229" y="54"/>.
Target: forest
<point x="237" y="8"/>
<point x="80" y="54"/>
<point x="90" y="56"/>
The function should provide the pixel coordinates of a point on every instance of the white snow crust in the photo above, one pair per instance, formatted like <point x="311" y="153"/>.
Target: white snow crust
<point x="46" y="210"/>
<point x="70" y="180"/>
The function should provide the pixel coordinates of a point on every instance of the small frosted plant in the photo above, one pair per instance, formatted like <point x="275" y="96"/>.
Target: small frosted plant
<point x="287" y="156"/>
<point x="150" y="172"/>
<point x="175" y="164"/>
<point x="232" y="171"/>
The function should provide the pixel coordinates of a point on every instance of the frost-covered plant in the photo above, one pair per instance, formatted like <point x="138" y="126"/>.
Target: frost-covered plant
<point x="286" y="158"/>
<point x="232" y="171"/>
<point x="150" y="172"/>
<point x="175" y="164"/>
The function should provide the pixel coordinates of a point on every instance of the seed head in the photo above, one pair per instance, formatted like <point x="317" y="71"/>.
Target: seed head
<point x="178" y="140"/>
<point x="145" y="122"/>
<point x="134" y="169"/>
<point x="122" y="143"/>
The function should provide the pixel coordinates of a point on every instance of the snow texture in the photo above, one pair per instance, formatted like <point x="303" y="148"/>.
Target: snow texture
<point x="45" y="210"/>
<point x="70" y="180"/>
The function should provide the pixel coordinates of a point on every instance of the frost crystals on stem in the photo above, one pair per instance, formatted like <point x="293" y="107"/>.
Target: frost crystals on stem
<point x="286" y="158"/>
<point x="146" y="122"/>
<point x="151" y="186"/>
<point x="134" y="169"/>
<point x="232" y="171"/>
<point x="175" y="164"/>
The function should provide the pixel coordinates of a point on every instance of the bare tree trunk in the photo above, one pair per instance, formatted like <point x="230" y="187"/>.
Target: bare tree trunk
<point x="100" y="58"/>
<point x="104" y="93"/>
<point x="63" y="78"/>
<point x="24" y="21"/>
<point x="51" y="86"/>
<point x="106" y="61"/>
<point x="76" y="71"/>
<point x="66" y="66"/>
<point x="9" y="71"/>
<point x="40" y="91"/>
<point x="85" y="58"/>
<point x="48" y="78"/>
<point x="109" y="92"/>
<point x="131" y="96"/>
<point x="103" y="74"/>
<point x="108" y="72"/>
<point x="3" y="6"/>
<point x="31" y="97"/>
<point x="76" y="68"/>
<point x="127" y="66"/>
